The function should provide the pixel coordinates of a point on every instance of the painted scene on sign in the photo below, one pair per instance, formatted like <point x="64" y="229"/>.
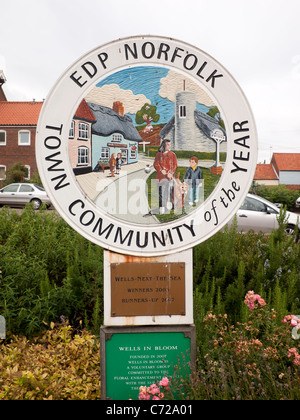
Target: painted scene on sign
<point x="147" y="145"/>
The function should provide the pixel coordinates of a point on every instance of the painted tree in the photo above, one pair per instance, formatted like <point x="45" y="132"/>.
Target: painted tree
<point x="217" y="135"/>
<point x="215" y="113"/>
<point x="147" y="114"/>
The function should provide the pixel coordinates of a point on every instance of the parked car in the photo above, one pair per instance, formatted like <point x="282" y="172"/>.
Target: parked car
<point x="261" y="215"/>
<point x="298" y="203"/>
<point x="22" y="193"/>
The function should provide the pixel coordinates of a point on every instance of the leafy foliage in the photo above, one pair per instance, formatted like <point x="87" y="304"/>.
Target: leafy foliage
<point x="215" y="113"/>
<point x="47" y="270"/>
<point x="17" y="173"/>
<point x="54" y="366"/>
<point x="147" y="114"/>
<point x="252" y="360"/>
<point x="278" y="194"/>
<point x="230" y="263"/>
<point x="49" y="273"/>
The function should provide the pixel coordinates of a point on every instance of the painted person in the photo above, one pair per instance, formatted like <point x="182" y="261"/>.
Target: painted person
<point x="165" y="163"/>
<point x="112" y="164"/>
<point x="192" y="178"/>
<point x="118" y="163"/>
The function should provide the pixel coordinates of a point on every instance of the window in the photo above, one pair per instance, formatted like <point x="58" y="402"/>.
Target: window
<point x="26" y="188"/>
<point x="253" y="205"/>
<point x="11" y="188"/>
<point x="124" y="156"/>
<point x="27" y="176"/>
<point x="38" y="187"/>
<point x="83" y="156"/>
<point x="2" y="138"/>
<point x="182" y="111"/>
<point x="24" y="138"/>
<point x="83" y="131"/>
<point x="133" y="153"/>
<point x="2" y="172"/>
<point x="117" y="138"/>
<point x="105" y="153"/>
<point x="72" y="130"/>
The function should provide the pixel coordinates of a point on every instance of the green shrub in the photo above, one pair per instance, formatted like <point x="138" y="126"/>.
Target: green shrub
<point x="17" y="173"/>
<point x="47" y="270"/>
<point x="229" y="263"/>
<point x="49" y="273"/>
<point x="253" y="360"/>
<point x="57" y="365"/>
<point x="278" y="194"/>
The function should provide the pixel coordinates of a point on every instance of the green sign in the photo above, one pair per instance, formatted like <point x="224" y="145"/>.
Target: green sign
<point x="139" y="359"/>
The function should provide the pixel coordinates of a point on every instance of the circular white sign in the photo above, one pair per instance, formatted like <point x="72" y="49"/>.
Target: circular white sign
<point x="127" y="147"/>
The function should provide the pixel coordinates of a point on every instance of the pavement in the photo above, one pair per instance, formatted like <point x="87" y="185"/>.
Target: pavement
<point x="122" y="195"/>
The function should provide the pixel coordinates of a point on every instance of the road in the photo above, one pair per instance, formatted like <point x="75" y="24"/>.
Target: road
<point x="127" y="198"/>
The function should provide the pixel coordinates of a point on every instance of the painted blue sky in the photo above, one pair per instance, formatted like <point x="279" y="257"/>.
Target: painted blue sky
<point x="146" y="80"/>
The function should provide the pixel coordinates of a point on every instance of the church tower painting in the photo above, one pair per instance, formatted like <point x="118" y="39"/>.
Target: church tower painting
<point x="184" y="120"/>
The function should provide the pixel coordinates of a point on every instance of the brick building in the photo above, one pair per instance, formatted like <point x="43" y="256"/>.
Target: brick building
<point x="284" y="169"/>
<point x="287" y="168"/>
<point x="18" y="122"/>
<point x="265" y="175"/>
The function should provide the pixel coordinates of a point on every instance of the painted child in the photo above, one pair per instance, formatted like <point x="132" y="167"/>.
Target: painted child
<point x="193" y="178"/>
<point x="118" y="163"/>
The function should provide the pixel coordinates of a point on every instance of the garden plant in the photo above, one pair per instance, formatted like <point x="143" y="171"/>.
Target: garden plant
<point x="246" y="311"/>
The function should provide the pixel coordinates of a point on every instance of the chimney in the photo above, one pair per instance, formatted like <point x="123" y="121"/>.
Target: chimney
<point x="2" y="78"/>
<point x="2" y="81"/>
<point x="118" y="107"/>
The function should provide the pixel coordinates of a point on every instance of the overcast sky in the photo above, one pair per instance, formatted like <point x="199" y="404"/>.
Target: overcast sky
<point x="257" y="41"/>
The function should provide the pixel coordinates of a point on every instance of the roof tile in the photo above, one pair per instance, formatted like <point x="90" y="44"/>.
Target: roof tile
<point x="287" y="161"/>
<point x="19" y="113"/>
<point x="84" y="112"/>
<point x="264" y="171"/>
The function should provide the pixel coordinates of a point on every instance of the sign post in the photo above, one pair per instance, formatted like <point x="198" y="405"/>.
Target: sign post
<point x="147" y="212"/>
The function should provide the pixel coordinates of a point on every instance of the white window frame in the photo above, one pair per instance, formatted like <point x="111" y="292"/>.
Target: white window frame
<point x="117" y="138"/>
<point x="105" y="153"/>
<point x="83" y="131"/>
<point x="4" y="143"/>
<point x="86" y="156"/>
<point x="124" y="153"/>
<point x="72" y="130"/>
<point x="19" y="138"/>
<point x="133" y="153"/>
<point x="28" y="172"/>
<point x="3" y="167"/>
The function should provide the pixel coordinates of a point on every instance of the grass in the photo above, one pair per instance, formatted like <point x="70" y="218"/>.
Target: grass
<point x="209" y="184"/>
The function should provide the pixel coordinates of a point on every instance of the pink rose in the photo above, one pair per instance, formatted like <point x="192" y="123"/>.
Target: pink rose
<point x="164" y="382"/>
<point x="294" y="322"/>
<point x="261" y="302"/>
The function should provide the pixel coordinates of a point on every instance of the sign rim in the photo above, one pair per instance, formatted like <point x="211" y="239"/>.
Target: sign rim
<point x="47" y="114"/>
